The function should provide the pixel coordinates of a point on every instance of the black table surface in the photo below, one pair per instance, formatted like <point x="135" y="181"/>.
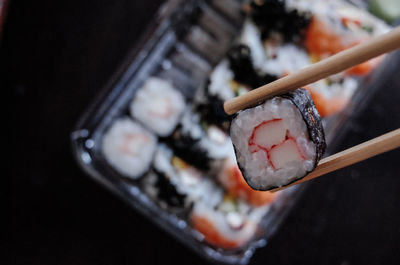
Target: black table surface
<point x="55" y="57"/>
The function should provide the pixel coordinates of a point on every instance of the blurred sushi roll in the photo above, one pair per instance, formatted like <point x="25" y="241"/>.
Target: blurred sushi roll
<point x="158" y="105"/>
<point x="212" y="112"/>
<point x="219" y="82"/>
<point x="233" y="182"/>
<point x="176" y="184"/>
<point x="251" y="37"/>
<point x="129" y="148"/>
<point x="200" y="146"/>
<point x="240" y="61"/>
<point x="230" y="224"/>
<point x="274" y="19"/>
<point x="217" y="143"/>
<point x="285" y="59"/>
<point x="279" y="141"/>
<point x="210" y="101"/>
<point x="159" y="188"/>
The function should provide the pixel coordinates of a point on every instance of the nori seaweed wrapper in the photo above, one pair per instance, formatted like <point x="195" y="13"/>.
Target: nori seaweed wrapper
<point x="212" y="111"/>
<point x="241" y="64"/>
<point x="188" y="149"/>
<point x="272" y="17"/>
<point x="302" y="100"/>
<point x="167" y="192"/>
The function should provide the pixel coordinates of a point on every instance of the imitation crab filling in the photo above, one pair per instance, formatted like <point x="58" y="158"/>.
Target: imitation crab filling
<point x="273" y="137"/>
<point x="279" y="141"/>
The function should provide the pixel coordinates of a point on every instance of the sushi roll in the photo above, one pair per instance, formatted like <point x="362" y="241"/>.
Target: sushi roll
<point x="229" y="225"/>
<point x="279" y="141"/>
<point x="210" y="101"/>
<point x="176" y="184"/>
<point x="275" y="20"/>
<point x="159" y="188"/>
<point x="232" y="180"/>
<point x="129" y="148"/>
<point x="219" y="82"/>
<point x="219" y="88"/>
<point x="241" y="63"/>
<point x="212" y="112"/>
<point x="251" y="37"/>
<point x="200" y="146"/>
<point x="158" y="105"/>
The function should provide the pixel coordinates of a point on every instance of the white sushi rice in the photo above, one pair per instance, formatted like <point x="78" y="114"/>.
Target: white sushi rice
<point x="158" y="105"/>
<point x="285" y="59"/>
<point x="219" y="81"/>
<point x="251" y="37"/>
<point x="129" y="148"/>
<point x="217" y="143"/>
<point x="257" y="169"/>
<point x="213" y="140"/>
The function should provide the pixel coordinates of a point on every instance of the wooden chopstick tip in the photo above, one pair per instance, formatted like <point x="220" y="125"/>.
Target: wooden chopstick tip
<point x="227" y="107"/>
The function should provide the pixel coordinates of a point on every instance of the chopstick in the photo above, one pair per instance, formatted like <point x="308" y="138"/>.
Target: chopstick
<point x="332" y="65"/>
<point x="376" y="146"/>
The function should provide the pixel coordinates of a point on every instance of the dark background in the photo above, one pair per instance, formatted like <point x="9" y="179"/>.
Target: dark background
<point x="55" y="57"/>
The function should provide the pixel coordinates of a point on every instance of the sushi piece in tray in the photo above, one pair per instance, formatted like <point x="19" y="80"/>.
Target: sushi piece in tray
<point x="198" y="143"/>
<point x="230" y="224"/>
<point x="241" y="63"/>
<point x="158" y="105"/>
<point x="212" y="112"/>
<point x="275" y="20"/>
<point x="129" y="148"/>
<point x="175" y="184"/>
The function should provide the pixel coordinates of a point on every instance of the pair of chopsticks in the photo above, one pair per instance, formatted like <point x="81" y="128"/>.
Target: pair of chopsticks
<point x="332" y="65"/>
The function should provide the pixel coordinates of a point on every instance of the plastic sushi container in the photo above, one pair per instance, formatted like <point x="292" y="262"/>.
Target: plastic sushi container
<point x="175" y="182"/>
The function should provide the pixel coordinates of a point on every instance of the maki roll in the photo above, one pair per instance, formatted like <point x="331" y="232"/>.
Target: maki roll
<point x="240" y="61"/>
<point x="176" y="184"/>
<point x="232" y="180"/>
<point x="165" y="191"/>
<point x="158" y="105"/>
<point x="279" y="141"/>
<point x="274" y="19"/>
<point x="210" y="102"/>
<point x="219" y="82"/>
<point x="199" y="146"/>
<point x="212" y="112"/>
<point x="129" y="148"/>
<point x="230" y="224"/>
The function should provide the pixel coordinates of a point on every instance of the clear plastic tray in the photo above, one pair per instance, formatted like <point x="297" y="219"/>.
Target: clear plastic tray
<point x="183" y="43"/>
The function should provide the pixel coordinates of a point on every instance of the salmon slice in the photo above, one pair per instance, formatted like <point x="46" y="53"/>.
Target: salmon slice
<point x="211" y="233"/>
